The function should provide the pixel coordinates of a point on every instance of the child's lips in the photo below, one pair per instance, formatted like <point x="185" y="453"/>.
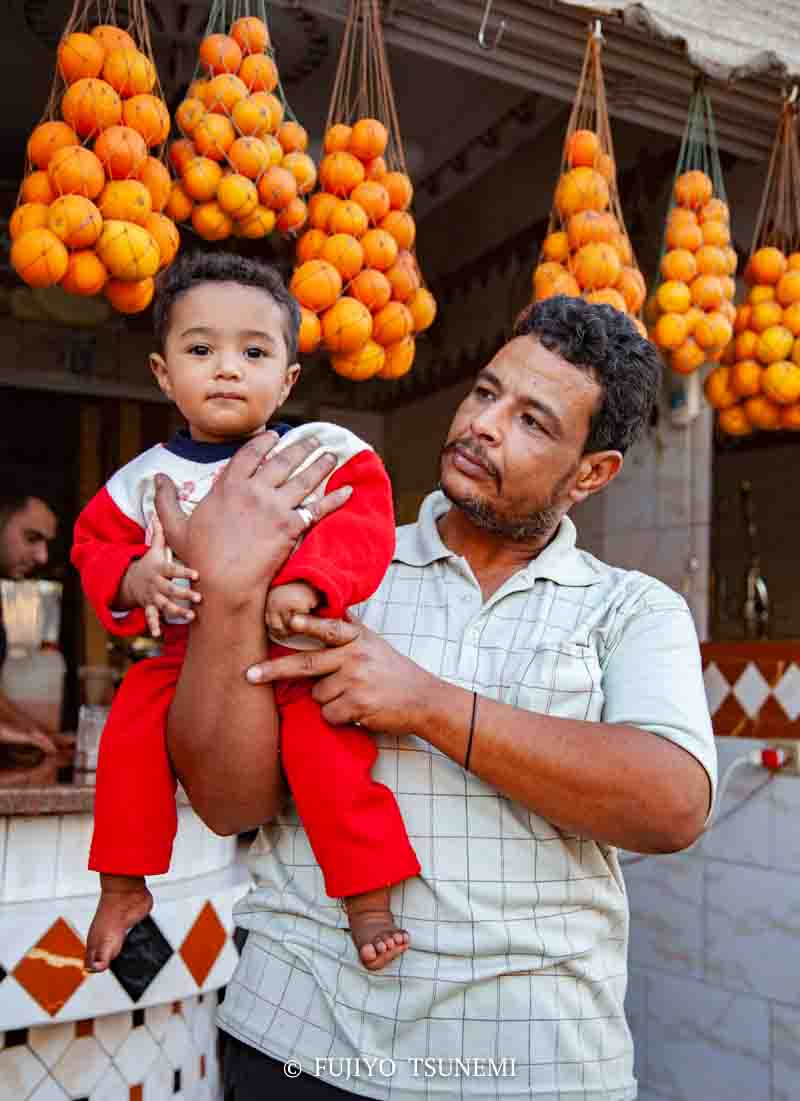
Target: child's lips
<point x="226" y="395"/>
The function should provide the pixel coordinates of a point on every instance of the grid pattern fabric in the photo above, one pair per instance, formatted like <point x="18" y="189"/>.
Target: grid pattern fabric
<point x="519" y="930"/>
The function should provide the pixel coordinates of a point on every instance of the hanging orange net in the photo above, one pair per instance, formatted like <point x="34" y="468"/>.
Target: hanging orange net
<point x="241" y="160"/>
<point x="89" y="216"/>
<point x="758" y="386"/>
<point x="357" y="279"/>
<point x="587" y="250"/>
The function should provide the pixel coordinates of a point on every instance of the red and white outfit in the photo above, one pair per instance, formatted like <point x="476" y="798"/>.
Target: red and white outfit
<point x="353" y="823"/>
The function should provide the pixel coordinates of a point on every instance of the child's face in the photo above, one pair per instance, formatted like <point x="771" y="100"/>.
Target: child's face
<point x="225" y="360"/>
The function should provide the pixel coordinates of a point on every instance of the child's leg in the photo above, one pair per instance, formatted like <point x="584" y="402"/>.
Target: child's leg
<point x="353" y="823"/>
<point x="134" y="816"/>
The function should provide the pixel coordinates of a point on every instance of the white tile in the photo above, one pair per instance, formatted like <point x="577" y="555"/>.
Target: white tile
<point x="31" y="852"/>
<point x="48" y="1090"/>
<point x="222" y="969"/>
<point x="20" y="1072"/>
<point x="18" y="1008"/>
<point x="72" y="874"/>
<point x="111" y="1087"/>
<point x="666" y="902"/>
<point x="708" y="1044"/>
<point x="636" y="1014"/>
<point x="158" y="1081"/>
<point x="138" y="1053"/>
<point x="784" y="800"/>
<point x="156" y="1018"/>
<point x="751" y="690"/>
<point x="112" y="1029"/>
<point x="786" y="1052"/>
<point x="717" y="688"/>
<point x="744" y="837"/>
<point x="81" y="1066"/>
<point x="787" y="692"/>
<point x="97" y="994"/>
<point x="174" y="981"/>
<point x="752" y="929"/>
<point x="50" y="1042"/>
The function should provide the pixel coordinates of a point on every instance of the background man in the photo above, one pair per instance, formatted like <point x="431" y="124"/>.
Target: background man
<point x="534" y="709"/>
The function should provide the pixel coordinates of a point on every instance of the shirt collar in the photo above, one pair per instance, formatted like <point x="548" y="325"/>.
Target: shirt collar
<point x="200" y="451"/>
<point x="420" y="544"/>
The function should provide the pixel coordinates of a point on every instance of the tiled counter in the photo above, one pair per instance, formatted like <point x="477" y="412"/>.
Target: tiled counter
<point x="753" y="688"/>
<point x="143" y="1031"/>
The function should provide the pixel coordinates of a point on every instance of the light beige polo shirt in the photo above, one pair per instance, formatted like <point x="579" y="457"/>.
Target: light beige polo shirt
<point x="514" y="983"/>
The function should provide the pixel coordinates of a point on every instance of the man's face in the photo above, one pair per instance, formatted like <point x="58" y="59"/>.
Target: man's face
<point x="516" y="441"/>
<point x="24" y="539"/>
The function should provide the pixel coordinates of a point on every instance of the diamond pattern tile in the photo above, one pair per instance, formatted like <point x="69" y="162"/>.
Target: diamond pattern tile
<point x="203" y="943"/>
<point x="143" y="954"/>
<point x="751" y="690"/>
<point x="787" y="692"/>
<point x="717" y="687"/>
<point x="52" y="970"/>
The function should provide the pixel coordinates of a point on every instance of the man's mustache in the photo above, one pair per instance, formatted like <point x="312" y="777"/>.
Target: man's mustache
<point x="476" y="451"/>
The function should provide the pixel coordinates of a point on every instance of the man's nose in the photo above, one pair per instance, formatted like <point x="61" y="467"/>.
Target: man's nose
<point x="40" y="554"/>
<point x="486" y="423"/>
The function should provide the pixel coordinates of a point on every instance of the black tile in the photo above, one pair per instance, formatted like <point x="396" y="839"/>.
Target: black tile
<point x="143" y="954"/>
<point x="221" y="995"/>
<point x="138" y="1018"/>
<point x="17" y="1037"/>
<point x="239" y="938"/>
<point x="176" y="1081"/>
<point x="3" y="972"/>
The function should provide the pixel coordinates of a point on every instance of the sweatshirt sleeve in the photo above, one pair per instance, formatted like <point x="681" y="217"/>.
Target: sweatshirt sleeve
<point x="346" y="555"/>
<point x="106" y="541"/>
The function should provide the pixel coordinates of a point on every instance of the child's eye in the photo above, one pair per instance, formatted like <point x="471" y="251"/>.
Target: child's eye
<point x="199" y="350"/>
<point x="255" y="353"/>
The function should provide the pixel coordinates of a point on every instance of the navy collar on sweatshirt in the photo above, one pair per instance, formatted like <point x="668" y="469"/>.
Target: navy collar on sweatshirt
<point x="199" y="451"/>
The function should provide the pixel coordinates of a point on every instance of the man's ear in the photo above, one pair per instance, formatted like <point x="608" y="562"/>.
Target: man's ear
<point x="292" y="375"/>
<point x="159" y="369"/>
<point x="595" y="471"/>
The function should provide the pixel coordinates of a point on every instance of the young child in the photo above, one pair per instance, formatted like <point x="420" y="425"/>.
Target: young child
<point x="227" y="328"/>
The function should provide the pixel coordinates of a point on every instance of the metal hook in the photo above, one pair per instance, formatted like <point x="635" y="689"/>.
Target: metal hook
<point x="598" y="30"/>
<point x="484" y="45"/>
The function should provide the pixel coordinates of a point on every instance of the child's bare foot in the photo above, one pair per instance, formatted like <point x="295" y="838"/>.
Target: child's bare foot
<point x="374" y="931"/>
<point x="124" y="901"/>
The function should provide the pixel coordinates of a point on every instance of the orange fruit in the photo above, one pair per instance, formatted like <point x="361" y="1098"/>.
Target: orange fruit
<point x="303" y="169"/>
<point x="337" y="138"/>
<point x="179" y="205"/>
<point x="763" y="413"/>
<point x="47" y="138"/>
<point x="316" y="285"/>
<point x="376" y="169"/>
<point x="149" y="116"/>
<point x="374" y="198"/>
<point x="422" y="307"/>
<point x="556" y="246"/>
<point x="345" y="253"/>
<point x="249" y="156"/>
<point x="693" y="189"/>
<point x="112" y="38"/>
<point x="130" y="296"/>
<point x="788" y="289"/>
<point x="79" y="55"/>
<point x="129" y="72"/>
<point x="74" y="170"/>
<point x="346" y="326"/>
<point x="214" y="135"/>
<point x="211" y="221"/>
<point x="293" y="137"/>
<point x="155" y="177"/>
<point x="401" y="226"/>
<point x="796" y="352"/>
<point x="688" y="357"/>
<point x="763" y="315"/>
<point x="608" y="296"/>
<point x="362" y="364"/>
<point x="582" y="148"/>
<point x="201" y="178"/>
<point x="674" y="297"/>
<point x="711" y="260"/>
<point x="309" y="247"/>
<point x="718" y="389"/>
<point x="348" y="216"/>
<point x="692" y="316"/>
<point x="766" y="266"/>
<point x="404" y="277"/>
<point x="252" y="119"/>
<point x="121" y="151"/>
<point x="707" y="292"/>
<point x="391" y="324"/>
<point x="237" y="195"/>
<point x="340" y="173"/>
<point x="292" y="217"/>
<point x="684" y="234"/>
<point x="399" y="358"/>
<point x="562" y="283"/>
<point x="320" y="208"/>
<point x="581" y="189"/>
<point x="781" y="382"/>
<point x="273" y="104"/>
<point x="368" y="139"/>
<point x="713" y="330"/>
<point x="596" y="265"/>
<point x="223" y="93"/>
<point x="715" y="210"/>
<point x="743" y="315"/>
<point x="793" y="261"/>
<point x="728" y="287"/>
<point x="36" y="188"/>
<point x="188" y="114"/>
<point x="790" y="417"/>
<point x="277" y="187"/>
<point x="716" y="233"/>
<point x="605" y="166"/>
<point x="180" y="153"/>
<point x="165" y="234"/>
<point x="128" y="250"/>
<point x="746" y="344"/>
<point x="774" y="343"/>
<point x="791" y="318"/>
<point x="745" y="378"/>
<point x="401" y="191"/>
<point x="250" y="34"/>
<point x="75" y="220"/>
<point x="734" y="421"/>
<point x="86" y="273"/>
<point x="591" y="225"/>
<point x="91" y="105"/>
<point x="219" y="53"/>
<point x="671" y="331"/>
<point x="380" y="249"/>
<point x="28" y="216"/>
<point x="39" y="257"/>
<point x="260" y="223"/>
<point x="259" y="73"/>
<point x="680" y="264"/>
<point x="372" y="288"/>
<point x="632" y="287"/>
<point x="761" y="294"/>
<point x="310" y="334"/>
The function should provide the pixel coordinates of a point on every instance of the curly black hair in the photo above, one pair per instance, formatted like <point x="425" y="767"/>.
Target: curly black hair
<point x="603" y="341"/>
<point x="193" y="268"/>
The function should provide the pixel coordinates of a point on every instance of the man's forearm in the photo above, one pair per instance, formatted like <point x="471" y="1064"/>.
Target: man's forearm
<point x="12" y="715"/>
<point x="616" y="784"/>
<point x="223" y="733"/>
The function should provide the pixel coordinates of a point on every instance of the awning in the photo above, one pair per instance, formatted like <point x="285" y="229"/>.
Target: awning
<point x="726" y="39"/>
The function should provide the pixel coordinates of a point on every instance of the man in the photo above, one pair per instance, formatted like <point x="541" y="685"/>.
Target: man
<point x="27" y="527"/>
<point x="535" y="709"/>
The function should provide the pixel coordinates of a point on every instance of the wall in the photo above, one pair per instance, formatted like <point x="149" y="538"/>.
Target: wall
<point x="713" y="998"/>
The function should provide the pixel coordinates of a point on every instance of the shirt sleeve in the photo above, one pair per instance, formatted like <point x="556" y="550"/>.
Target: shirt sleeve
<point x="346" y="555"/>
<point x="653" y="680"/>
<point x="106" y="541"/>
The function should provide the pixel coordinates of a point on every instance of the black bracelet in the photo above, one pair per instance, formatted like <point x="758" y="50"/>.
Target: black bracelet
<point x="471" y="730"/>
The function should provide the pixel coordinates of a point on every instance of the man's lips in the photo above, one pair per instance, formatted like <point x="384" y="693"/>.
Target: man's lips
<point x="468" y="462"/>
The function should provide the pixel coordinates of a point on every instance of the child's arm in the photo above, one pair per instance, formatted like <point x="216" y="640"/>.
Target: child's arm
<point x="346" y="556"/>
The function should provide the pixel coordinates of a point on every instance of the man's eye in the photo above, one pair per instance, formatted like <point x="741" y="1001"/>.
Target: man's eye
<point x="482" y="393"/>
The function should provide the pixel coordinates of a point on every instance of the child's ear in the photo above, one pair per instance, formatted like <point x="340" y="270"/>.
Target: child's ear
<point x="292" y="375"/>
<point x="159" y="369"/>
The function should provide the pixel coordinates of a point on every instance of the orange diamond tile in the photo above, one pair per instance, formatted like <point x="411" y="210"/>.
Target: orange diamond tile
<point x="84" y="1028"/>
<point x="731" y="718"/>
<point x="135" y="1092"/>
<point x="204" y="942"/>
<point x="52" y="970"/>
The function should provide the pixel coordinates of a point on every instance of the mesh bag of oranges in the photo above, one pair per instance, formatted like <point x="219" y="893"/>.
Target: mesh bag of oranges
<point x="90" y="212"/>
<point x="241" y="162"/>
<point x="758" y="386"/>
<point x="357" y="279"/>
<point x="691" y="310"/>
<point x="587" y="251"/>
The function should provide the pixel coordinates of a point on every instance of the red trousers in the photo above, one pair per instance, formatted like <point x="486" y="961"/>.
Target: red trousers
<point x="353" y="823"/>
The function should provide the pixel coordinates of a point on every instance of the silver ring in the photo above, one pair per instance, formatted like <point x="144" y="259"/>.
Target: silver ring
<point x="306" y="515"/>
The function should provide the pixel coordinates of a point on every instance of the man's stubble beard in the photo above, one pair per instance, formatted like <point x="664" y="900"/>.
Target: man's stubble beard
<point x="517" y="529"/>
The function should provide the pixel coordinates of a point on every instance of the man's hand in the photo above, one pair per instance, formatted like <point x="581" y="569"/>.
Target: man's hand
<point x="285" y="601"/>
<point x="13" y="735"/>
<point x="363" y="679"/>
<point x="243" y="531"/>
<point x="153" y="581"/>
